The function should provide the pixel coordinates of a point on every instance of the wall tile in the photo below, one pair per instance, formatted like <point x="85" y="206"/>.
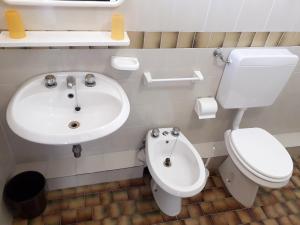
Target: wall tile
<point x="170" y="16"/>
<point x="290" y="39"/>
<point x="150" y="107"/>
<point x="253" y="15"/>
<point x="168" y="39"/>
<point x="259" y="39"/>
<point x="246" y="39"/>
<point x="185" y="39"/>
<point x="222" y="15"/>
<point x="188" y="15"/>
<point x="284" y="15"/>
<point x="273" y="39"/>
<point x="231" y="39"/>
<point x="152" y="39"/>
<point x="216" y="40"/>
<point x="202" y="40"/>
<point x="136" y="39"/>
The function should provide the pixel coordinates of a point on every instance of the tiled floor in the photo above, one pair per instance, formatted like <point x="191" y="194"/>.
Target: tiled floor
<point x="131" y="202"/>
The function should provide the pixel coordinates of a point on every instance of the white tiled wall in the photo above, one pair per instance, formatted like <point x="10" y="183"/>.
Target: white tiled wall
<point x="150" y="107"/>
<point x="253" y="15"/>
<point x="284" y="16"/>
<point x="171" y="15"/>
<point x="222" y="15"/>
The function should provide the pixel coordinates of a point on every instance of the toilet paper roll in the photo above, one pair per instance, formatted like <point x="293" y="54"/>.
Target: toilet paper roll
<point x="206" y="108"/>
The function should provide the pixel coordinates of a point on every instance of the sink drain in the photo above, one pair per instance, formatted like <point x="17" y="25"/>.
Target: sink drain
<point x="167" y="162"/>
<point x="74" y="124"/>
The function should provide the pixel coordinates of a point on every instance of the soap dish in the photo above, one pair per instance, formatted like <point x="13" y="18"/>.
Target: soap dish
<point x="125" y="63"/>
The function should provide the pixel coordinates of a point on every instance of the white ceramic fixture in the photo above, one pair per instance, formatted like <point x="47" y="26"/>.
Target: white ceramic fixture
<point x="176" y="168"/>
<point x="50" y="115"/>
<point x="66" y="3"/>
<point x="125" y="63"/>
<point x="254" y="78"/>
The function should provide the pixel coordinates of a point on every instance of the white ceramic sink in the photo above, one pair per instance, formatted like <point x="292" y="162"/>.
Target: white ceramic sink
<point x="45" y="115"/>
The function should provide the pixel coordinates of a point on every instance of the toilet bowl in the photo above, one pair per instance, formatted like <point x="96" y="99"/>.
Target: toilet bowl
<point x="256" y="158"/>
<point x="176" y="168"/>
<point x="254" y="78"/>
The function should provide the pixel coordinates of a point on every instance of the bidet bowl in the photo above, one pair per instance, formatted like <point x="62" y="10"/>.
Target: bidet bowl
<point x="187" y="174"/>
<point x="48" y="116"/>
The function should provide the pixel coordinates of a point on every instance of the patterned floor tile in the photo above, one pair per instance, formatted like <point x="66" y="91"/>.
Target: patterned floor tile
<point x="130" y="202"/>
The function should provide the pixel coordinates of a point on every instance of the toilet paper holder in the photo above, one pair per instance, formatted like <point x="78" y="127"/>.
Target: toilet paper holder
<point x="206" y="108"/>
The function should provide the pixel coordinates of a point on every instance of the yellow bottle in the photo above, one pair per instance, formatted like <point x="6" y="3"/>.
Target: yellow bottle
<point x="117" y="27"/>
<point x="15" y="24"/>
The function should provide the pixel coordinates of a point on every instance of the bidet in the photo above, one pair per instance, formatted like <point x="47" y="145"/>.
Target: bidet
<point x="176" y="168"/>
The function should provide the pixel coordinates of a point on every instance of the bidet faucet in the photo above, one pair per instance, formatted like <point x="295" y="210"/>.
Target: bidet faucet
<point x="155" y="132"/>
<point x="175" y="131"/>
<point x="71" y="82"/>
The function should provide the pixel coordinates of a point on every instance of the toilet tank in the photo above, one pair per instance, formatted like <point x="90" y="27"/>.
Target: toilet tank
<point x="255" y="77"/>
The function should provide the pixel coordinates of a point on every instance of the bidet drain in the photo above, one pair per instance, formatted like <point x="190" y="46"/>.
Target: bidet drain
<point x="74" y="124"/>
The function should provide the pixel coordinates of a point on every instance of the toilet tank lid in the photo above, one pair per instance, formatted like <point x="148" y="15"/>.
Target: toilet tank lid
<point x="263" y="57"/>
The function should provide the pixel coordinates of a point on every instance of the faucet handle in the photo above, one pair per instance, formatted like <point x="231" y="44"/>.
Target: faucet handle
<point x="90" y="80"/>
<point x="175" y="131"/>
<point x="155" y="132"/>
<point x="50" y="81"/>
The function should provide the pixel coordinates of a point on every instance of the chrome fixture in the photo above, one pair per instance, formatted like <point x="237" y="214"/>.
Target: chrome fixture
<point x="219" y="54"/>
<point x="77" y="149"/>
<point x="71" y="82"/>
<point x="175" y="131"/>
<point x="50" y="81"/>
<point x="165" y="133"/>
<point x="155" y="132"/>
<point x="90" y="80"/>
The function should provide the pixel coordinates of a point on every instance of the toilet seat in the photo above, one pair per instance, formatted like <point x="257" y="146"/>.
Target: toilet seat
<point x="261" y="154"/>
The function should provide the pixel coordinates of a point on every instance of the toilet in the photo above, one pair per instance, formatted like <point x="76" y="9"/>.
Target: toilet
<point x="254" y="78"/>
<point x="176" y="168"/>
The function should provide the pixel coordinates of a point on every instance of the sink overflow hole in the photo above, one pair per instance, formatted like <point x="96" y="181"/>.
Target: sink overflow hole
<point x="70" y="95"/>
<point x="74" y="124"/>
<point x="77" y="108"/>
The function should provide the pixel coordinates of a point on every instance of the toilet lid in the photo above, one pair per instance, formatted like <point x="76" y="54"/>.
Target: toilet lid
<point x="262" y="152"/>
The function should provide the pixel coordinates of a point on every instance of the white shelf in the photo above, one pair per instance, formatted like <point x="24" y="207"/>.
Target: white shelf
<point x="110" y="3"/>
<point x="62" y="38"/>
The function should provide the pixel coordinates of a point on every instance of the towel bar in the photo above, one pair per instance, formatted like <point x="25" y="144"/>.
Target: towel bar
<point x="149" y="81"/>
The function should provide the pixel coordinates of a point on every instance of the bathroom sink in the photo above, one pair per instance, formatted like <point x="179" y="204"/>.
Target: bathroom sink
<point x="59" y="115"/>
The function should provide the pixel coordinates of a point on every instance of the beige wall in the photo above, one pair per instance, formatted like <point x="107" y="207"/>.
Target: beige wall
<point x="150" y="107"/>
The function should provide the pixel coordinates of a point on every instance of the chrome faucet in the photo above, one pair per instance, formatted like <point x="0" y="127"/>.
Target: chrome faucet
<point x="71" y="82"/>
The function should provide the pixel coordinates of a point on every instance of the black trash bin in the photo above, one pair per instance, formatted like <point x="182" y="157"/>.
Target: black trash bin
<point x="25" y="194"/>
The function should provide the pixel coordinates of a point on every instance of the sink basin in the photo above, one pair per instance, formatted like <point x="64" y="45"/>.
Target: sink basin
<point x="48" y="116"/>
